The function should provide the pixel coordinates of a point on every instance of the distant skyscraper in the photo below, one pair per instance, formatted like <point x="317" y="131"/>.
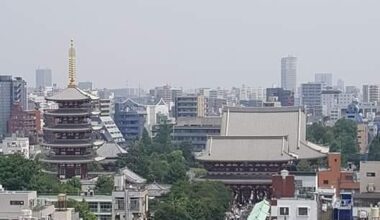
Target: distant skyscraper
<point x="324" y="78"/>
<point x="311" y="97"/>
<point x="340" y="85"/>
<point x="289" y="73"/>
<point x="85" y="86"/>
<point x="371" y="93"/>
<point x="43" y="78"/>
<point x="11" y="91"/>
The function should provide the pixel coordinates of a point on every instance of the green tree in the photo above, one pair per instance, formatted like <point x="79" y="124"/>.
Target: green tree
<point x="304" y="166"/>
<point x="199" y="200"/>
<point x="104" y="184"/>
<point x="16" y="172"/>
<point x="374" y="149"/>
<point x="341" y="138"/>
<point x="83" y="209"/>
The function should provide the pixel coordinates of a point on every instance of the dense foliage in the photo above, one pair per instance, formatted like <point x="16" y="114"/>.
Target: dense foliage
<point x="18" y="173"/>
<point x="374" y="149"/>
<point x="199" y="200"/>
<point x="83" y="209"/>
<point x="157" y="159"/>
<point x="340" y="138"/>
<point x="104" y="185"/>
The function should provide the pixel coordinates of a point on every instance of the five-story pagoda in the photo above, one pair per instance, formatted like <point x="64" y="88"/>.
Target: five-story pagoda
<point x="69" y="136"/>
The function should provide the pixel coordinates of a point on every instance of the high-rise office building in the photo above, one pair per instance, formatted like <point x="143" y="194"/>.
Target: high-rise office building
<point x="324" y="78"/>
<point x="289" y="73"/>
<point x="11" y="91"/>
<point x="371" y="93"/>
<point x="340" y="85"/>
<point x="43" y="78"/>
<point x="311" y="98"/>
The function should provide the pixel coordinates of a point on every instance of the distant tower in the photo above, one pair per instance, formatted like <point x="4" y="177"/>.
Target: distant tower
<point x="43" y="78"/>
<point x="289" y="73"/>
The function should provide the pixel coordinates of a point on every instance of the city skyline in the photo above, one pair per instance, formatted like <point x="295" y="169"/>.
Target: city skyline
<point x="183" y="44"/>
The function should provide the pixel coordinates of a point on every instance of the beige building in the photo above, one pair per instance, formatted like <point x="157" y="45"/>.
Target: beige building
<point x="362" y="138"/>
<point x="369" y="176"/>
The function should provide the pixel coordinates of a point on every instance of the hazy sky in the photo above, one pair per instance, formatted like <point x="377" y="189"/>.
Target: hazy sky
<point x="193" y="43"/>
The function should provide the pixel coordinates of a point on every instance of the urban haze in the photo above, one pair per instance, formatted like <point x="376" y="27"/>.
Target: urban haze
<point x="186" y="43"/>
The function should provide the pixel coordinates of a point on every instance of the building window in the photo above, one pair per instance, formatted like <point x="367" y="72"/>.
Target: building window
<point x="284" y="211"/>
<point x="93" y="206"/>
<point x="325" y="182"/>
<point x="105" y="207"/>
<point x="105" y="217"/>
<point x="371" y="174"/>
<point x="303" y="211"/>
<point x="16" y="202"/>
<point x="134" y="204"/>
<point x="120" y="205"/>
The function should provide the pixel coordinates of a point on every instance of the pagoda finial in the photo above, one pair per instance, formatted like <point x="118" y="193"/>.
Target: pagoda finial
<point x="72" y="65"/>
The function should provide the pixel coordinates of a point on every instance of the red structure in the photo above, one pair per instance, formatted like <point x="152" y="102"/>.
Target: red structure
<point x="69" y="137"/>
<point x="26" y="123"/>
<point x="335" y="177"/>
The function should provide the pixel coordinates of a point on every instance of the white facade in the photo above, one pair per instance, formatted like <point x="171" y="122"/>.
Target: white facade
<point x="289" y="73"/>
<point x="14" y="145"/>
<point x="112" y="131"/>
<point x="344" y="99"/>
<point x="295" y="209"/>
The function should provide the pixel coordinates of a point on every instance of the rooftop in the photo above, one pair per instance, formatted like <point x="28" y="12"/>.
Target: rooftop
<point x="256" y="148"/>
<point x="71" y="94"/>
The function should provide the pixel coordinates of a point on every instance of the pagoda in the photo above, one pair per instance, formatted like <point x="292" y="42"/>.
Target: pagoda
<point x="70" y="138"/>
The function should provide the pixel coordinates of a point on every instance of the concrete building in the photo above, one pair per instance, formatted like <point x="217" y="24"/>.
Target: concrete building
<point x="43" y="79"/>
<point x="12" y="91"/>
<point x="369" y="177"/>
<point x="329" y="101"/>
<point x="295" y="209"/>
<point x="324" y="78"/>
<point x="165" y="93"/>
<point x="15" y="145"/>
<point x="111" y="131"/>
<point x="190" y="106"/>
<point x="285" y="97"/>
<point x="86" y="86"/>
<point x="24" y="205"/>
<point x="289" y="73"/>
<point x="100" y="205"/>
<point x="130" y="202"/>
<point x="362" y="138"/>
<point x="26" y="123"/>
<point x="311" y="98"/>
<point x="340" y="85"/>
<point x="335" y="177"/>
<point x="196" y="130"/>
<point x="371" y="93"/>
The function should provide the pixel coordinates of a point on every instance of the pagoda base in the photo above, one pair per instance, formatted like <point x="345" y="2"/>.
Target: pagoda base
<point x="67" y="171"/>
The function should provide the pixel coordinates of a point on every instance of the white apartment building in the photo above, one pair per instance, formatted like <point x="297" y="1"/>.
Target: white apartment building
<point x="15" y="145"/>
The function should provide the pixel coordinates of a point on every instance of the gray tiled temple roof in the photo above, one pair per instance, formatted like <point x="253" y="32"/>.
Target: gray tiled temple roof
<point x="71" y="93"/>
<point x="256" y="148"/>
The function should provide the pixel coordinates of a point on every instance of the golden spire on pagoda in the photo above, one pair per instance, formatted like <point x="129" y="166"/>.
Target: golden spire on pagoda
<point x="72" y="65"/>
